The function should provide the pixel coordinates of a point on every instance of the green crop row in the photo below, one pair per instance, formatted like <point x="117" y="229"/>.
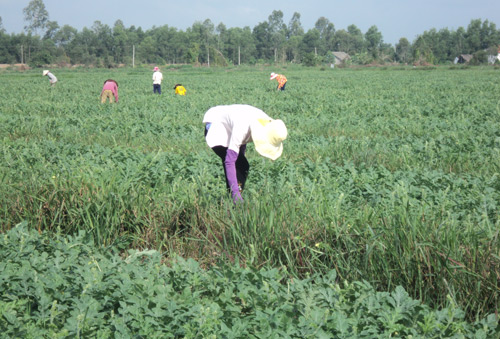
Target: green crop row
<point x="387" y="176"/>
<point x="65" y="287"/>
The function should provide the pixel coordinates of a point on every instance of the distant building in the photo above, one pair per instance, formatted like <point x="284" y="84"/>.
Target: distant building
<point x="340" y="57"/>
<point x="494" y="58"/>
<point x="463" y="58"/>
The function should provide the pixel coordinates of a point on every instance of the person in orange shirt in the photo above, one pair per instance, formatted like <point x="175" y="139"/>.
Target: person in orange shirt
<point x="281" y="80"/>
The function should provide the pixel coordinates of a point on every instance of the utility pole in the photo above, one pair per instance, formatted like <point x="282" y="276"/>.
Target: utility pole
<point x="133" y="56"/>
<point x="22" y="55"/>
<point x="239" y="55"/>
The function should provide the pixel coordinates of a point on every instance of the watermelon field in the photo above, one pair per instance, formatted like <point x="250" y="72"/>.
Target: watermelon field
<point x="380" y="219"/>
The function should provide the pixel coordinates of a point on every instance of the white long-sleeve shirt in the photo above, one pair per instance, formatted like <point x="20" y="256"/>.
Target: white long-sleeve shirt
<point x="230" y="125"/>
<point x="52" y="78"/>
<point x="157" y="78"/>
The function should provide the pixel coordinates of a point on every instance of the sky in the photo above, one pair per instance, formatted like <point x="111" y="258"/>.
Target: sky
<point x="393" y="18"/>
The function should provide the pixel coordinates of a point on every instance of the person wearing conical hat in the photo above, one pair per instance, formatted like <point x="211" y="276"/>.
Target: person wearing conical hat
<point x="52" y="77"/>
<point x="229" y="128"/>
<point x="157" y="78"/>
<point x="281" y="80"/>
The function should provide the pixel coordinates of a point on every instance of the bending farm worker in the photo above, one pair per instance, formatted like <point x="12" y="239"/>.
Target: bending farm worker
<point x="52" y="77"/>
<point x="179" y="89"/>
<point x="229" y="128"/>
<point x="109" y="91"/>
<point x="157" y="78"/>
<point x="281" y="80"/>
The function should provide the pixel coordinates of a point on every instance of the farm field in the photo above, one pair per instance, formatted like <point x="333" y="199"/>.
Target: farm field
<point x="389" y="176"/>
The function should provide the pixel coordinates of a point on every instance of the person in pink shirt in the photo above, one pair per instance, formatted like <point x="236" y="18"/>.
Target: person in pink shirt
<point x="109" y="90"/>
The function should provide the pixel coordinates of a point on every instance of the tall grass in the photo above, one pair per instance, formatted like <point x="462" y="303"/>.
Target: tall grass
<point x="389" y="177"/>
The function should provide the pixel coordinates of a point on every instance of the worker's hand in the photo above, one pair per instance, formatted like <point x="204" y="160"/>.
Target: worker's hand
<point x="237" y="197"/>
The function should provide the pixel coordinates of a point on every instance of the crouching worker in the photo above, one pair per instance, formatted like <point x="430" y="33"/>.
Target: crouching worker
<point x="281" y="80"/>
<point x="109" y="90"/>
<point x="52" y="77"/>
<point x="229" y="128"/>
<point x="179" y="89"/>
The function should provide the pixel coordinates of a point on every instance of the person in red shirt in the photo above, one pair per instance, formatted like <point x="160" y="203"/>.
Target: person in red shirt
<point x="109" y="90"/>
<point x="281" y="80"/>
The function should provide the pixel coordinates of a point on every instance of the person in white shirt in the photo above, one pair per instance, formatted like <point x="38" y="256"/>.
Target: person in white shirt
<point x="229" y="128"/>
<point x="157" y="78"/>
<point x="52" y="77"/>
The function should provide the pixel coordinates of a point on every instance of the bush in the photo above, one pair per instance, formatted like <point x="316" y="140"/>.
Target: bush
<point x="479" y="58"/>
<point x="309" y="60"/>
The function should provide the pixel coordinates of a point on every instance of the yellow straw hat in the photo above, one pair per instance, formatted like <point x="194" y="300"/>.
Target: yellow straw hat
<point x="268" y="136"/>
<point x="45" y="72"/>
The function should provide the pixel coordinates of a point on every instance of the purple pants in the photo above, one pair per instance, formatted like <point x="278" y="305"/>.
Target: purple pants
<point x="242" y="165"/>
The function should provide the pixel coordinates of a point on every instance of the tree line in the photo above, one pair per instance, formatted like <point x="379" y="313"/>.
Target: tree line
<point x="45" y="42"/>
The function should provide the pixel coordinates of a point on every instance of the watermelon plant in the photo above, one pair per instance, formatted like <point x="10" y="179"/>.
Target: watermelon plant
<point x="387" y="176"/>
<point x="59" y="287"/>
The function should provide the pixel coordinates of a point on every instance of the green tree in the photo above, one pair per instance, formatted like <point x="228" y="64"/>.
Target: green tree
<point x="292" y="46"/>
<point x="310" y="42"/>
<point x="201" y="36"/>
<point x="479" y="58"/>
<point x="443" y="46"/>
<point x="147" y="51"/>
<point x="44" y="52"/>
<point x="277" y="30"/>
<point x="121" y="49"/>
<point x="403" y="50"/>
<point x="326" y="34"/>
<point x="208" y="37"/>
<point x="422" y="51"/>
<point x="179" y="45"/>
<point x="135" y="35"/>
<point x="65" y="35"/>
<point x="310" y="59"/>
<point x="438" y="43"/>
<point x="473" y="36"/>
<point x="241" y="46"/>
<point x="373" y="40"/>
<point x="489" y="35"/>
<point x="262" y="38"/>
<point x="347" y="42"/>
<point x="458" y="42"/>
<point x="387" y="52"/>
<point x="321" y="25"/>
<point x="82" y="49"/>
<point x="51" y="30"/>
<point x="221" y="32"/>
<point x="8" y="47"/>
<point x="163" y="37"/>
<point x="36" y="16"/>
<point x="294" y="38"/>
<point x="104" y="43"/>
<point x="294" y="26"/>
<point x="357" y="39"/>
